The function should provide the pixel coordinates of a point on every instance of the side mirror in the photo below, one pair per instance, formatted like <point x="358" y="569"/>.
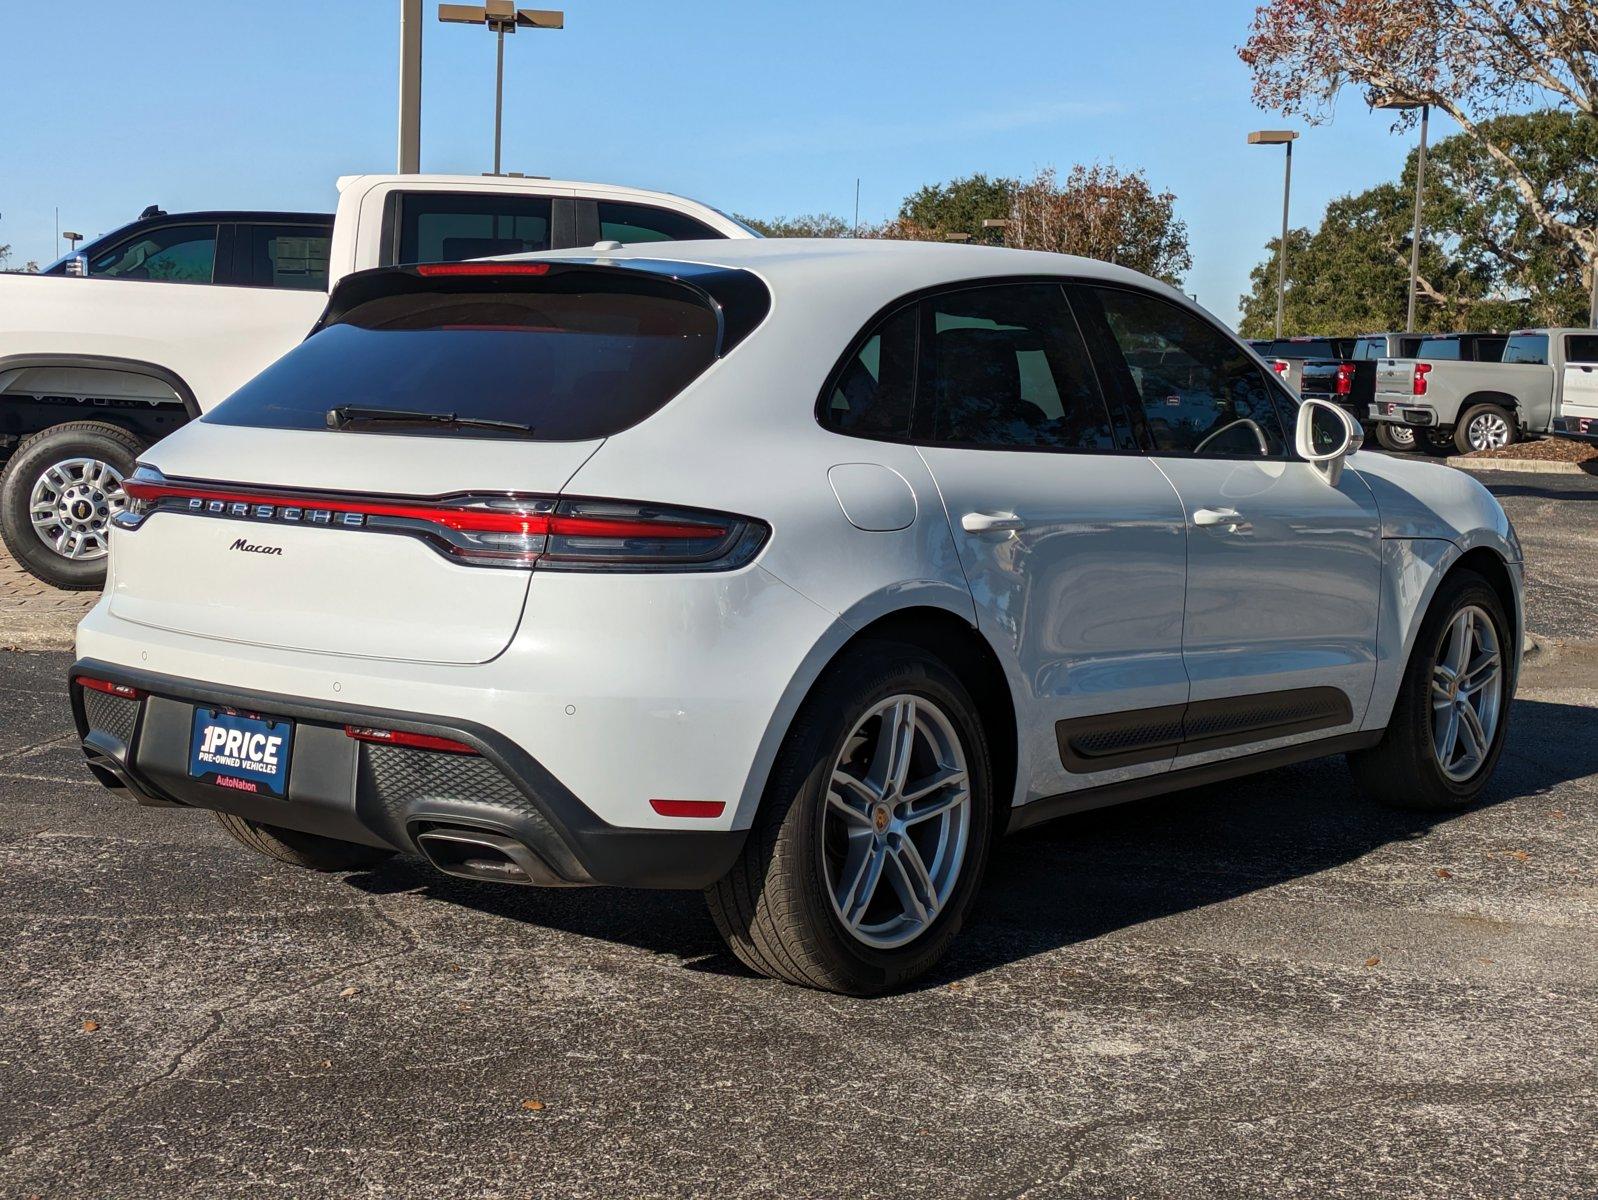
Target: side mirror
<point x="78" y="264"/>
<point x="1325" y="436"/>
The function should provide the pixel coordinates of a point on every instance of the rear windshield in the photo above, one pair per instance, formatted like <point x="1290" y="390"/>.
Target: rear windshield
<point x="571" y="357"/>
<point x="1527" y="348"/>
<point x="1446" y="348"/>
<point x="1306" y="348"/>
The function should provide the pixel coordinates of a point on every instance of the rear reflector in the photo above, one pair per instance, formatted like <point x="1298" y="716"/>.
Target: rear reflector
<point x="688" y="808"/>
<point x="433" y="270"/>
<point x="413" y="741"/>
<point x="109" y="688"/>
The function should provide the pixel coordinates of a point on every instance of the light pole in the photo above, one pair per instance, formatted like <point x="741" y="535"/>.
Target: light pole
<point x="410" y="87"/>
<point x="501" y="16"/>
<point x="1285" y="139"/>
<point x="1400" y="104"/>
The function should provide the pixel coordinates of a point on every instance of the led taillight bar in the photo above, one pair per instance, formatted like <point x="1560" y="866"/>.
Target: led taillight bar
<point x="433" y="270"/>
<point x="457" y="517"/>
<point x="412" y="741"/>
<point x="124" y="690"/>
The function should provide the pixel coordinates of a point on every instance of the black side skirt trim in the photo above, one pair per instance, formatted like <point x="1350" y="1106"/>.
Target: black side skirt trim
<point x="1143" y="735"/>
<point x="1067" y="803"/>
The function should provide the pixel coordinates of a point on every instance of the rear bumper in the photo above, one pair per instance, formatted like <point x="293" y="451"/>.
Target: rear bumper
<point x="1401" y="413"/>
<point x="1583" y="429"/>
<point x="382" y="795"/>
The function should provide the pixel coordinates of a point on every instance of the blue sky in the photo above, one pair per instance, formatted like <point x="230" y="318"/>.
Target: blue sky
<point x="762" y="108"/>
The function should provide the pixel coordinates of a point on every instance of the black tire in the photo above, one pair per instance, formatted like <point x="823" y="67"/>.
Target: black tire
<point x="298" y="849"/>
<point x="100" y="440"/>
<point x="1402" y="771"/>
<point x="1462" y="429"/>
<point x="774" y="907"/>
<point x="1399" y="439"/>
<point x="1435" y="441"/>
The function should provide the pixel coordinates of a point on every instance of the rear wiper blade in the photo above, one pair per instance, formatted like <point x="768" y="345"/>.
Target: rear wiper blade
<point x="346" y="415"/>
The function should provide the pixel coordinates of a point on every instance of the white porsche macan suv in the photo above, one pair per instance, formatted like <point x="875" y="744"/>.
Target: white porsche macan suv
<point x="793" y="571"/>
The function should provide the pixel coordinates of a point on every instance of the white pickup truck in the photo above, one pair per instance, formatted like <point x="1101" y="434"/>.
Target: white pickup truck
<point x="1546" y="379"/>
<point x="149" y="326"/>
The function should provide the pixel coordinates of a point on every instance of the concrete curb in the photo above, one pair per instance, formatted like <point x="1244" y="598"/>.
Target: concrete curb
<point x="1529" y="466"/>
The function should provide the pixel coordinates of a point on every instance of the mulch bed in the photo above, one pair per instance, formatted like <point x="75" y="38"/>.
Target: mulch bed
<point x="1544" y="450"/>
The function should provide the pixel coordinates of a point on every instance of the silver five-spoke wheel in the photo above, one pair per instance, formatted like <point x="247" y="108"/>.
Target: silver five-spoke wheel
<point x="1487" y="431"/>
<point x="896" y="822"/>
<point x="1467" y="693"/>
<point x="71" y="506"/>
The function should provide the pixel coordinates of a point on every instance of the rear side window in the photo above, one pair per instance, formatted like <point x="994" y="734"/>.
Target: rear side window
<point x="284" y="256"/>
<point x="571" y="357"/>
<point x="175" y="254"/>
<point x="452" y="226"/>
<point x="1201" y="393"/>
<point x="1004" y="368"/>
<point x="1368" y="348"/>
<point x="1530" y="348"/>
<point x="632" y="223"/>
<point x="874" y="394"/>
<point x="1581" y="348"/>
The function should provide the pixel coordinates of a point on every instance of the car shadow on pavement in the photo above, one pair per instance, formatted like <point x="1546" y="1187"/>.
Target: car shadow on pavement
<point x="1086" y="876"/>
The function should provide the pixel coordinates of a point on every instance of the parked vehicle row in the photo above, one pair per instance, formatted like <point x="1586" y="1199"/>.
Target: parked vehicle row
<point x="176" y="311"/>
<point x="1545" y="380"/>
<point x="795" y="572"/>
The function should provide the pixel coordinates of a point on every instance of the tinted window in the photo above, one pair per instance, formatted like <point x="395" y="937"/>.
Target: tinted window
<point x="873" y="394"/>
<point x="1527" y="348"/>
<point x="1200" y="392"/>
<point x="1438" y="348"/>
<point x="1368" y="348"/>
<point x="284" y="256"/>
<point x="578" y="355"/>
<point x="1306" y="348"/>
<point x="451" y="226"/>
<point x="1581" y="348"/>
<point x="1005" y="368"/>
<point x="630" y="223"/>
<point x="1488" y="349"/>
<point x="175" y="254"/>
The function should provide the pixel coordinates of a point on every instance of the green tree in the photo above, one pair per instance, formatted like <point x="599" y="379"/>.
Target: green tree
<point x="958" y="207"/>
<point x="805" y="225"/>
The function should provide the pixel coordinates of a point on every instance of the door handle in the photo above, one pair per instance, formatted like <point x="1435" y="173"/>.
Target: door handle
<point x="1229" y="517"/>
<point x="995" y="522"/>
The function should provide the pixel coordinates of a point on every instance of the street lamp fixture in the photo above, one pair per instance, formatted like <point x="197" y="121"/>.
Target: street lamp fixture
<point x="502" y="17"/>
<point x="73" y="239"/>
<point x="1393" y="102"/>
<point x="1285" y="139"/>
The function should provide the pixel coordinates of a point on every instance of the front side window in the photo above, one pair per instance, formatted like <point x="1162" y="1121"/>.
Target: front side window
<point x="874" y="393"/>
<point x="1581" y="348"/>
<point x="1369" y="348"/>
<point x="1201" y="393"/>
<point x="1004" y="368"/>
<point x="1527" y="348"/>
<point x="631" y="223"/>
<point x="284" y="256"/>
<point x="175" y="254"/>
<point x="452" y="226"/>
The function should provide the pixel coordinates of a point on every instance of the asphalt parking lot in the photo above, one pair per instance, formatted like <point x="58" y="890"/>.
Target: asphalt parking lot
<point x="1263" y="988"/>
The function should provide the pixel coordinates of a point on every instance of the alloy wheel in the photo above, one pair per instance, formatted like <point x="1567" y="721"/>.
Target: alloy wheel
<point x="1487" y="431"/>
<point x="72" y="504"/>
<point x="896" y="824"/>
<point x="1467" y="693"/>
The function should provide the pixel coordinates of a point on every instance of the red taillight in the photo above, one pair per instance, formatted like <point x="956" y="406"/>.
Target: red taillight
<point x="1280" y="366"/>
<point x="689" y="808"/>
<point x="502" y="530"/>
<point x="109" y="688"/>
<point x="433" y="270"/>
<point x="413" y="741"/>
<point x="1345" y="378"/>
<point x="1421" y="371"/>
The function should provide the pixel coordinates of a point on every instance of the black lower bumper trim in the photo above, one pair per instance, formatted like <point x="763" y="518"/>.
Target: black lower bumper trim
<point x="358" y="791"/>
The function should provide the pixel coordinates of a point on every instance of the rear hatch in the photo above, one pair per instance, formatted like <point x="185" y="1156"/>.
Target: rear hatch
<point x="388" y="488"/>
